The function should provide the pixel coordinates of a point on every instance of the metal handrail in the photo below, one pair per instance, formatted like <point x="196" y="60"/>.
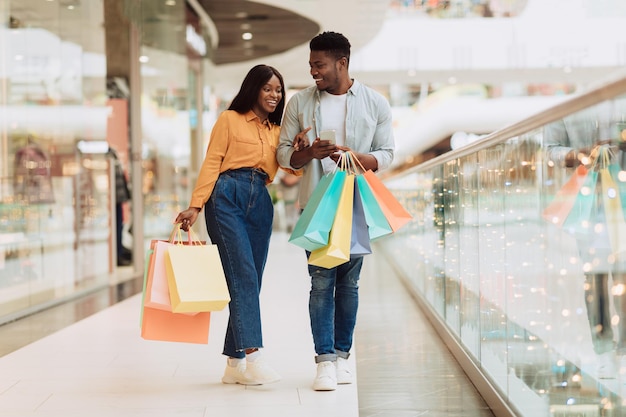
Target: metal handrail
<point x="612" y="87"/>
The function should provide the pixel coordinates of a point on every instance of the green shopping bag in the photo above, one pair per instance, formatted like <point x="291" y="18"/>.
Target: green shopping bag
<point x="337" y="251"/>
<point x="579" y="219"/>
<point x="312" y="229"/>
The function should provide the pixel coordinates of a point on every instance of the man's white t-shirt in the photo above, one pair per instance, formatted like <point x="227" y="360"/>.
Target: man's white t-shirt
<point x="333" y="113"/>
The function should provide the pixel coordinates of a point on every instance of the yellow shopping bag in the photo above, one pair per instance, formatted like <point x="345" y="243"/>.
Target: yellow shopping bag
<point x="337" y="251"/>
<point x="196" y="278"/>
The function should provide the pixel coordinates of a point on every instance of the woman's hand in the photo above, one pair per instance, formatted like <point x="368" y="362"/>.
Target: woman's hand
<point x="187" y="218"/>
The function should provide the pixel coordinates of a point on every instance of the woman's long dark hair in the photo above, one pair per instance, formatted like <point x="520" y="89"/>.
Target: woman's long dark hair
<point x="248" y="94"/>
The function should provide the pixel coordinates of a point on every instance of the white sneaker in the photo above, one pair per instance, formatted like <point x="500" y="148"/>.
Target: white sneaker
<point x="259" y="371"/>
<point x="326" y="378"/>
<point x="344" y="374"/>
<point x="237" y="375"/>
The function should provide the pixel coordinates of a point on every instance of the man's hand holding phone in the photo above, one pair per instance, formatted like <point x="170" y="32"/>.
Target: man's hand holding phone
<point x="328" y="135"/>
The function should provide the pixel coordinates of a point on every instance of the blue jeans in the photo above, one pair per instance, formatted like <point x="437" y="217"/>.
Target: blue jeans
<point x="333" y="305"/>
<point x="239" y="217"/>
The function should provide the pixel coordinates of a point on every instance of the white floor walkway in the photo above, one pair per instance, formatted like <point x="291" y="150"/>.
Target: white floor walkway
<point x="100" y="366"/>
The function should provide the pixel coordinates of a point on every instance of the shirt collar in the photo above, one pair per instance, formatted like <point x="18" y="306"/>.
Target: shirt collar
<point x="251" y="115"/>
<point x="354" y="89"/>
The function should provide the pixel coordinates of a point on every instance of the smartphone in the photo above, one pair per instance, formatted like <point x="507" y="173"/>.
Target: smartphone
<point x="328" y="135"/>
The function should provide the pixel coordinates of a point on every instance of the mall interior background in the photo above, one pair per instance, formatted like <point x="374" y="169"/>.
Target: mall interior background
<point x="147" y="79"/>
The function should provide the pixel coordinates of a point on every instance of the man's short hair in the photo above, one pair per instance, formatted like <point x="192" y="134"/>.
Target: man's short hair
<point x="333" y="43"/>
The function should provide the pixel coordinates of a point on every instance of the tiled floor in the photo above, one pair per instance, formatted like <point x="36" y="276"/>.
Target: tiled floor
<point x="100" y="366"/>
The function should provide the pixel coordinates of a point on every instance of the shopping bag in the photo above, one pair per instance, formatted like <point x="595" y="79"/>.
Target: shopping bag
<point x="174" y="327"/>
<point x="377" y="224"/>
<point x="613" y="191"/>
<point x="157" y="294"/>
<point x="579" y="219"/>
<point x="312" y="229"/>
<point x="196" y="278"/>
<point x="145" y="282"/>
<point x="559" y="208"/>
<point x="157" y="290"/>
<point x="396" y="215"/>
<point x="337" y="251"/>
<point x="157" y="324"/>
<point x="359" y="238"/>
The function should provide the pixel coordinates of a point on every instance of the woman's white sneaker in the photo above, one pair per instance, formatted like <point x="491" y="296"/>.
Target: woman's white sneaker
<point x="326" y="378"/>
<point x="237" y="374"/>
<point x="260" y="372"/>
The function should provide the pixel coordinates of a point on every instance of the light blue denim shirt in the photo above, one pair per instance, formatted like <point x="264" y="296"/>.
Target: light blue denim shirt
<point x="368" y="130"/>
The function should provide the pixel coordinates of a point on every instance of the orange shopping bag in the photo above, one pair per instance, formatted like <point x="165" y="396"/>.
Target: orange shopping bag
<point x="396" y="215"/>
<point x="158" y="324"/>
<point x="175" y="327"/>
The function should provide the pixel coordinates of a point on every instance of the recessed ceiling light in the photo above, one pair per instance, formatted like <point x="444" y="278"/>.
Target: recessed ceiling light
<point x="170" y="2"/>
<point x="246" y="36"/>
<point x="143" y="59"/>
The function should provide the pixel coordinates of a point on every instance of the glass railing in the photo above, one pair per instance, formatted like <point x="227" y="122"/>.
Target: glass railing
<point x="517" y="251"/>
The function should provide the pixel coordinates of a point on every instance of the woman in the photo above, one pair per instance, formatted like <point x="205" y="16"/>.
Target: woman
<point x="240" y="162"/>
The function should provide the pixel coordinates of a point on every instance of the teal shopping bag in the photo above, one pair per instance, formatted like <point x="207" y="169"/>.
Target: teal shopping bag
<point x="579" y="220"/>
<point x="377" y="223"/>
<point x="614" y="170"/>
<point x="312" y="229"/>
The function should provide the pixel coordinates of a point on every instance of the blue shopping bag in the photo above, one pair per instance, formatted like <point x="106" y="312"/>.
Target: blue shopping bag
<point x="360" y="239"/>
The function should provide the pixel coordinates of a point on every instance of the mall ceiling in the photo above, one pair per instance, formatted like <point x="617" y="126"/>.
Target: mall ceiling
<point x="274" y="30"/>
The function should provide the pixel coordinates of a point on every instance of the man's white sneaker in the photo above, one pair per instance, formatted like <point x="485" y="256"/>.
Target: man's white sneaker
<point x="326" y="379"/>
<point x="260" y="372"/>
<point x="344" y="374"/>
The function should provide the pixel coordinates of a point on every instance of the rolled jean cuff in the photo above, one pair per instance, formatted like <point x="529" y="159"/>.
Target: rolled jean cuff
<point x="343" y="355"/>
<point x="326" y="357"/>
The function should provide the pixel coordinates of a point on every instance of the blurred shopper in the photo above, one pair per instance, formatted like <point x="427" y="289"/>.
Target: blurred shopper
<point x="232" y="187"/>
<point x="569" y="142"/>
<point x="362" y="120"/>
<point x="287" y="194"/>
<point x="122" y="195"/>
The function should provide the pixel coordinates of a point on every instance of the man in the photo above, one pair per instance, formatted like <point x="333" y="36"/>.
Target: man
<point x="362" y="121"/>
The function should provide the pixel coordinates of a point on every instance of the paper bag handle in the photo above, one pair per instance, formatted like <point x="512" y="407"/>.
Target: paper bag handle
<point x="177" y="236"/>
